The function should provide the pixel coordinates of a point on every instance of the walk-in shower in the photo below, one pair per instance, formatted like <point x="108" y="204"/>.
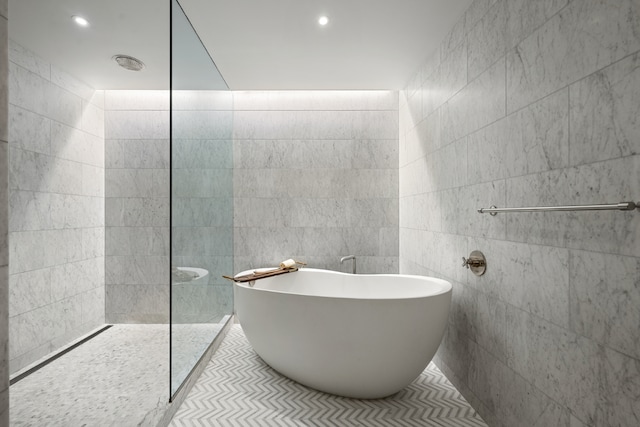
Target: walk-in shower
<point x="121" y="213"/>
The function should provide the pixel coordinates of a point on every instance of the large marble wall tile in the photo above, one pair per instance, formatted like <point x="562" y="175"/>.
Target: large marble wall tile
<point x="451" y="77"/>
<point x="29" y="131"/>
<point x="570" y="46"/>
<point x="204" y="183"/>
<point x="202" y="154"/>
<point x="480" y="103"/>
<point x="487" y="40"/>
<point x="202" y="124"/>
<point x="28" y="60"/>
<point x="70" y="83"/>
<point x="137" y="241"/>
<point x="604" y="113"/>
<point x="74" y="278"/>
<point x="28" y="291"/>
<point x="145" y="154"/>
<point x="92" y="119"/>
<point x="605" y="290"/>
<point x="475" y="12"/>
<point x="136" y="270"/>
<point x="215" y="241"/>
<point x="315" y="124"/>
<point x="202" y="212"/>
<point x="524" y="17"/>
<point x="31" y="250"/>
<point x="611" y="181"/>
<point x="136" y="212"/>
<point x="28" y="90"/>
<point x="148" y="124"/>
<point x="534" y="139"/>
<point x="63" y="106"/>
<point x="137" y="303"/>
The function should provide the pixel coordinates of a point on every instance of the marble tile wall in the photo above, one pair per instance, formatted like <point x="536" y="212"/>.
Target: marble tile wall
<point x="56" y="204"/>
<point x="202" y="203"/>
<point x="531" y="103"/>
<point x="137" y="206"/>
<point x="316" y="178"/>
<point x="4" y="216"/>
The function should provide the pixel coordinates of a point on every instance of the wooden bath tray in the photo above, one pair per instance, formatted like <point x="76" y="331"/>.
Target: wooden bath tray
<point x="261" y="275"/>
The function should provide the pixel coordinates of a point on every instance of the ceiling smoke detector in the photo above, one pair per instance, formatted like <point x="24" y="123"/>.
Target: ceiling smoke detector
<point x="129" y="62"/>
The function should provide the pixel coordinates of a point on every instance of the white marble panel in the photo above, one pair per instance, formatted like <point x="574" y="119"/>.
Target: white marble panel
<point x="273" y="243"/>
<point x="202" y="124"/>
<point x="274" y="212"/>
<point x="28" y="90"/>
<point x="137" y="303"/>
<point x="532" y="277"/>
<point x="543" y="189"/>
<point x="204" y="183"/>
<point x="29" y="131"/>
<point x="71" y="84"/>
<point x="4" y="99"/>
<point x="525" y="16"/>
<point x="319" y="212"/>
<point x="93" y="241"/>
<point x="204" y="154"/>
<point x="92" y="119"/>
<point x="74" y="278"/>
<point x="570" y="46"/>
<point x="422" y="211"/>
<point x="28" y="60"/>
<point x="315" y="124"/>
<point x="29" y="290"/>
<point x="203" y="100"/>
<point x="534" y="139"/>
<point x="136" y="124"/>
<point x="574" y="370"/>
<point x="30" y="211"/>
<point x="327" y="100"/>
<point x="203" y="212"/>
<point x="136" y="212"/>
<point x="114" y="153"/>
<point x="475" y="12"/>
<point x="480" y="103"/>
<point x="194" y="241"/>
<point x="93" y="181"/>
<point x="605" y="292"/>
<point x="98" y="99"/>
<point x="129" y="183"/>
<point x="454" y="37"/>
<point x="481" y="196"/>
<point x="610" y="181"/>
<point x="73" y="144"/>
<point x="131" y="100"/>
<point x="487" y="41"/>
<point x="604" y="113"/>
<point x="63" y="106"/>
<point x="372" y="212"/>
<point x="146" y="154"/>
<point x="388" y="248"/>
<point x="31" y="250"/>
<point x="152" y="241"/>
<point x="93" y="304"/>
<point x="137" y="270"/>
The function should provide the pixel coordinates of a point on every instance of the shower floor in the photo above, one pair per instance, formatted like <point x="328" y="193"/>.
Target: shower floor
<point x="118" y="378"/>
<point x="237" y="388"/>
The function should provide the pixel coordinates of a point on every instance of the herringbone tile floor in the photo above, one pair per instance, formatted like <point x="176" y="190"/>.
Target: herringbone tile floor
<point x="238" y="389"/>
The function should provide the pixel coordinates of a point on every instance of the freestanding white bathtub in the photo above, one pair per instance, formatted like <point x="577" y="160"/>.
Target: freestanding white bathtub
<point x="360" y="336"/>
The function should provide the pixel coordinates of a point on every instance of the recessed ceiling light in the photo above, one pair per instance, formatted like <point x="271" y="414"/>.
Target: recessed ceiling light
<point x="323" y="20"/>
<point x="80" y="20"/>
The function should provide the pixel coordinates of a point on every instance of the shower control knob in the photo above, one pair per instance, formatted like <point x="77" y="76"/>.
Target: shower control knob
<point x="476" y="263"/>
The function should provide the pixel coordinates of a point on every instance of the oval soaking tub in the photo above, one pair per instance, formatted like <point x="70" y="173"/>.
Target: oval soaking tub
<point x="360" y="336"/>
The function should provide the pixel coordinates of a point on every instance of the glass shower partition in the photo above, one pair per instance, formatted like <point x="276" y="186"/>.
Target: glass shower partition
<point x="201" y="198"/>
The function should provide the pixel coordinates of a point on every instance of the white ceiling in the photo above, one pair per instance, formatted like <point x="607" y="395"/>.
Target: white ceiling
<point x="256" y="44"/>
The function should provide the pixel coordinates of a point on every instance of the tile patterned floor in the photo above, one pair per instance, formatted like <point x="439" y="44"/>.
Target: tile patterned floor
<point x="238" y="389"/>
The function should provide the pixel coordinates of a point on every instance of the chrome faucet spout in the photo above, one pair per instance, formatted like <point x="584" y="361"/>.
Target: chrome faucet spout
<point x="348" y="257"/>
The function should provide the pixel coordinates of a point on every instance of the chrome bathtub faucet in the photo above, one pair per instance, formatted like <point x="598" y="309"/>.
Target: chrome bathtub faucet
<point x="348" y="257"/>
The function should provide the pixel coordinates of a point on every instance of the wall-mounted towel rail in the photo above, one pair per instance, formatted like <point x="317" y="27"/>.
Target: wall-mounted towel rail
<point x="622" y="206"/>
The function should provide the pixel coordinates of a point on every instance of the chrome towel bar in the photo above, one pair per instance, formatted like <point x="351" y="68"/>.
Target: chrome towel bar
<point x="622" y="206"/>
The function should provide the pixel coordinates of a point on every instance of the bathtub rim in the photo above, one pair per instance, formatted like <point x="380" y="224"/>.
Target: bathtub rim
<point x="445" y="285"/>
